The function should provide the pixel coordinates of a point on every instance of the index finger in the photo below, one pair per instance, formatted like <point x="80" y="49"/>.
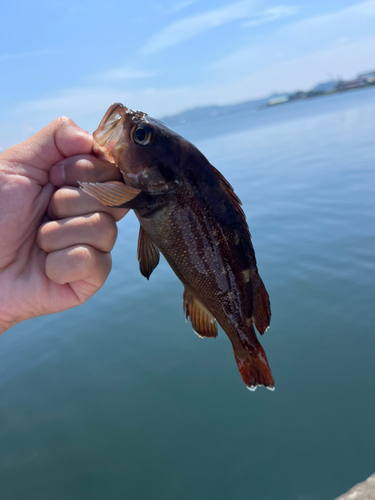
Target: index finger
<point x="60" y="139"/>
<point x="83" y="168"/>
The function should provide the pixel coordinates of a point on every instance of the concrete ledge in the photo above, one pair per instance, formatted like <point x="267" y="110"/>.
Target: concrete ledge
<point x="361" y="491"/>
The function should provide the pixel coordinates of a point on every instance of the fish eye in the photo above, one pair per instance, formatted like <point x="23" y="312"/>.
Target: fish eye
<point x="142" y="135"/>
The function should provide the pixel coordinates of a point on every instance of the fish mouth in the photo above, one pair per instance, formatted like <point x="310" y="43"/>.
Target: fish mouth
<point x="109" y="132"/>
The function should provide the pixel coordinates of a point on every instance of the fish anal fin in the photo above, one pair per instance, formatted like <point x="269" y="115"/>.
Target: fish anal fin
<point x="148" y="253"/>
<point x="253" y="365"/>
<point x="114" y="194"/>
<point x="261" y="304"/>
<point x="202" y="321"/>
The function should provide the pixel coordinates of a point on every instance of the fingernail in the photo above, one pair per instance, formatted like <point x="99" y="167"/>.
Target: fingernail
<point x="57" y="175"/>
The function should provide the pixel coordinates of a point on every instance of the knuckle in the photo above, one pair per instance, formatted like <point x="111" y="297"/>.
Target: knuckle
<point x="44" y="236"/>
<point x="108" y="222"/>
<point x="65" y="202"/>
<point x="105" y="223"/>
<point x="90" y="263"/>
<point x="85" y="255"/>
<point x="84" y="164"/>
<point x="118" y="213"/>
<point x="60" y="123"/>
<point x="57" y="204"/>
<point x="39" y="237"/>
<point x="63" y="120"/>
<point x="106" y="266"/>
<point x="106" y="228"/>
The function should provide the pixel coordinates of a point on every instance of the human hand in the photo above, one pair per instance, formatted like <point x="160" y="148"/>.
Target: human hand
<point x="47" y="267"/>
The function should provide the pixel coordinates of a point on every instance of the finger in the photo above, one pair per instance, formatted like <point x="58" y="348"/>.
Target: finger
<point x="84" y="267"/>
<point x="98" y="230"/>
<point x="60" y="139"/>
<point x="84" y="168"/>
<point x="72" y="202"/>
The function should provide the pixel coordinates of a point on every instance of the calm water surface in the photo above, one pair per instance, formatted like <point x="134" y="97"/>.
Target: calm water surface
<point x="119" y="399"/>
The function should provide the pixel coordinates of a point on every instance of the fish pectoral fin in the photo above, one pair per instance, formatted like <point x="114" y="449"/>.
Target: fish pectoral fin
<point x="114" y="194"/>
<point x="202" y="321"/>
<point x="261" y="304"/>
<point x="148" y="254"/>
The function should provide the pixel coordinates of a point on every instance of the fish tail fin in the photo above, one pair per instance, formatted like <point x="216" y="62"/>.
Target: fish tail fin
<point x="253" y="365"/>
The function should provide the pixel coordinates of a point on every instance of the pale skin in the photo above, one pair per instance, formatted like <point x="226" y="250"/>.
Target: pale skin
<point x="55" y="241"/>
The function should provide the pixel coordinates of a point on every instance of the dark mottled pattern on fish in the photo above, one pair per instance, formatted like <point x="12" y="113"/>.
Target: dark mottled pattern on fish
<point x="189" y="212"/>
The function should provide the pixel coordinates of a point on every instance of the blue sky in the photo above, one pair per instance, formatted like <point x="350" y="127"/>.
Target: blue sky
<point x="76" y="57"/>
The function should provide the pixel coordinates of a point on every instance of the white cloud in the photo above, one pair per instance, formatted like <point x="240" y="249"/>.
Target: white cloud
<point x="76" y="102"/>
<point x="182" y="5"/>
<point x="302" y="38"/>
<point x="119" y="74"/>
<point x="295" y="57"/>
<point x="303" y="72"/>
<point x="191" y="26"/>
<point x="270" y="15"/>
<point x="73" y="101"/>
<point x="346" y="19"/>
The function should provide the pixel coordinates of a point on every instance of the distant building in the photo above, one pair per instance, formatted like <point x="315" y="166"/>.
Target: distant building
<point x="315" y="93"/>
<point x="367" y="77"/>
<point x="363" y="80"/>
<point x="325" y="87"/>
<point x="298" y="95"/>
<point x="349" y="84"/>
<point x="278" y="100"/>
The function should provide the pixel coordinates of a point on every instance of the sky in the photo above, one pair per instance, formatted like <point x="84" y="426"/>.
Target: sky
<point x="75" y="58"/>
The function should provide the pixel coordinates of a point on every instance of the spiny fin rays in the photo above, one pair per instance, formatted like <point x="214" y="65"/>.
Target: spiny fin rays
<point x="113" y="194"/>
<point x="148" y="254"/>
<point x="202" y="321"/>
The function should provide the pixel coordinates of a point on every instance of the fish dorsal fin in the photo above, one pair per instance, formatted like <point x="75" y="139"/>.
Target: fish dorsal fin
<point x="148" y="254"/>
<point x="261" y="304"/>
<point x="228" y="189"/>
<point x="114" y="194"/>
<point x="202" y="321"/>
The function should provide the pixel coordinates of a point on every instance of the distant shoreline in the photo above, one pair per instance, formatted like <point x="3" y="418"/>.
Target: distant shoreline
<point x="320" y="94"/>
<point x="363" y="81"/>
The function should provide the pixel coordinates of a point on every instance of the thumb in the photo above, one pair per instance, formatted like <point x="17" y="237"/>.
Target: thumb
<point x="58" y="140"/>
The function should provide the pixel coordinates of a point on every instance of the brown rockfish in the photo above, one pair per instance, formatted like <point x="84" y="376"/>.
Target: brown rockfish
<point x="188" y="211"/>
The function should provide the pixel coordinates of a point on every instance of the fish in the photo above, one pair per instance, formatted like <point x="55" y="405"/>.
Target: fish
<point x="190" y="214"/>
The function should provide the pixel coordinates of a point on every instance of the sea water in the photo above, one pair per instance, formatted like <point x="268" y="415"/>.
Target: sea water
<point x="119" y="399"/>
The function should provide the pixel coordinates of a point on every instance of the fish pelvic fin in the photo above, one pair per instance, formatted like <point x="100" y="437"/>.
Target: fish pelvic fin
<point x="261" y="304"/>
<point x="252" y="364"/>
<point x="114" y="194"/>
<point x="148" y="254"/>
<point x="202" y="321"/>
